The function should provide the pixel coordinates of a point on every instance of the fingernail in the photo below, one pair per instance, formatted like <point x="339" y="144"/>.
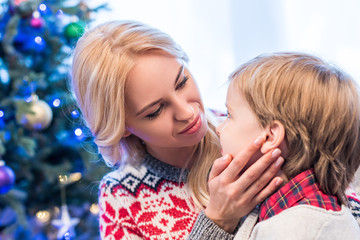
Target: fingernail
<point x="278" y="182"/>
<point x="258" y="141"/>
<point x="225" y="157"/>
<point x="279" y="161"/>
<point x="276" y="153"/>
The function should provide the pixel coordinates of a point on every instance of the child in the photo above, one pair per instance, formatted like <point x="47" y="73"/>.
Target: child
<point x="310" y="110"/>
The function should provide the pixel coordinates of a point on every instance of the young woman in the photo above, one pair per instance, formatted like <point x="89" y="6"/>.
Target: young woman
<point x="144" y="109"/>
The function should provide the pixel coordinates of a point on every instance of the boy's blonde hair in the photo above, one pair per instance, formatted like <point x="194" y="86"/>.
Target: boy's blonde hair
<point x="317" y="103"/>
<point x="102" y="60"/>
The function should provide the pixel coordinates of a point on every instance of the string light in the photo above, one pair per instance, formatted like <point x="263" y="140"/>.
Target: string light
<point x="38" y="40"/>
<point x="42" y="7"/>
<point x="43" y="216"/>
<point x="4" y="76"/>
<point x="75" y="114"/>
<point x="56" y="102"/>
<point x="74" y="177"/>
<point x="36" y="14"/>
<point x="63" y="179"/>
<point x="78" y="132"/>
<point x="94" y="208"/>
<point x="1" y="113"/>
<point x="67" y="236"/>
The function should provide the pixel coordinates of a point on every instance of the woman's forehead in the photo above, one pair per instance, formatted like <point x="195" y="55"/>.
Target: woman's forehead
<point x="152" y="77"/>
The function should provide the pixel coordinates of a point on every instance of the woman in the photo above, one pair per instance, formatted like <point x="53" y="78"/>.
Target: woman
<point x="145" y="112"/>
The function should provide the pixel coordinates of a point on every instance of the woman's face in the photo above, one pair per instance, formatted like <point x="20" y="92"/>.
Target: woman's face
<point x="163" y="103"/>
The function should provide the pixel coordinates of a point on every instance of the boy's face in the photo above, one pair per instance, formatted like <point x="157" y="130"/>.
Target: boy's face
<point x="241" y="126"/>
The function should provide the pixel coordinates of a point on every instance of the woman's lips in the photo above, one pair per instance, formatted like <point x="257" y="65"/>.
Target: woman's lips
<point x="192" y="127"/>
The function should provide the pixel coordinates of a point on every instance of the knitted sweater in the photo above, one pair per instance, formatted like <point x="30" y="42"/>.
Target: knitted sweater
<point x="151" y="201"/>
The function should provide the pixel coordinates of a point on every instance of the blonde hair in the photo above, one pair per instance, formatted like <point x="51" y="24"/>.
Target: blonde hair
<point x="102" y="60"/>
<point x="318" y="105"/>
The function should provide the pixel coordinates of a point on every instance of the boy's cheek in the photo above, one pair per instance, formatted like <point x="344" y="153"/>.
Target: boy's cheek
<point x="229" y="147"/>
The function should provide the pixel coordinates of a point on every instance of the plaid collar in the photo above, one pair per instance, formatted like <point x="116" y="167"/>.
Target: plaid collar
<point x="302" y="189"/>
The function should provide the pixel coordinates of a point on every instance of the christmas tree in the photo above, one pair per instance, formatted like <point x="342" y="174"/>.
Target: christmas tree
<point x="49" y="166"/>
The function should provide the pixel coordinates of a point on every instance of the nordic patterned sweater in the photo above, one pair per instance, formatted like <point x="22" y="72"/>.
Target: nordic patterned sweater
<point x="151" y="201"/>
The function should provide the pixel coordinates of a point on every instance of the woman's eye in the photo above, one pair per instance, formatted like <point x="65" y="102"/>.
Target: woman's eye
<point x="182" y="83"/>
<point x="153" y="115"/>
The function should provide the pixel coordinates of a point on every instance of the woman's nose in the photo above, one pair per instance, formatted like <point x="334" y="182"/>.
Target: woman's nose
<point x="184" y="111"/>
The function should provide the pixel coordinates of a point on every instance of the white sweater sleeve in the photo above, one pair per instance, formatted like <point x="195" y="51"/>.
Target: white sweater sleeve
<point x="308" y="222"/>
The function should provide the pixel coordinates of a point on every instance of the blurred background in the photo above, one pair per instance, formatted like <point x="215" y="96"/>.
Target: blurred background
<point x="49" y="168"/>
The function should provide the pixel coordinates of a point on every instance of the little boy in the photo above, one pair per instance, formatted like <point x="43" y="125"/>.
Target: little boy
<point x="311" y="111"/>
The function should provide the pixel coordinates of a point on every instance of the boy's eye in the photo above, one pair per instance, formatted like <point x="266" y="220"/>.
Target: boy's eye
<point x="227" y="114"/>
<point x="182" y="84"/>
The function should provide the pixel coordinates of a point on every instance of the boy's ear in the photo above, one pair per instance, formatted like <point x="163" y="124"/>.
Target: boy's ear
<point x="274" y="136"/>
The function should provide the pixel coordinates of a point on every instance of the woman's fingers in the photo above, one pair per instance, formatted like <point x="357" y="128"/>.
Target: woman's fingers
<point x="257" y="175"/>
<point x="219" y="165"/>
<point x="267" y="183"/>
<point x="242" y="158"/>
<point x="266" y="192"/>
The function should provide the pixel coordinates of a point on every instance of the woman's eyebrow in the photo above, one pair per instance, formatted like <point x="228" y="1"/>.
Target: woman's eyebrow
<point x="149" y="106"/>
<point x="178" y="75"/>
<point x="160" y="100"/>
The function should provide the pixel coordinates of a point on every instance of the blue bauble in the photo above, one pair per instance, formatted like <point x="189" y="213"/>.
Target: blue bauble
<point x="7" y="179"/>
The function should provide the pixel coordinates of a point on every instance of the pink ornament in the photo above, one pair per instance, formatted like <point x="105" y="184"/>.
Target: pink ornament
<point x="36" y="22"/>
<point x="17" y="2"/>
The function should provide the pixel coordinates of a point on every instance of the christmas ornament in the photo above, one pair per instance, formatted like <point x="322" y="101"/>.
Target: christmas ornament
<point x="40" y="116"/>
<point x="74" y="30"/>
<point x="44" y="10"/>
<point x="65" y="224"/>
<point x="36" y="22"/>
<point x="7" y="178"/>
<point x="17" y="2"/>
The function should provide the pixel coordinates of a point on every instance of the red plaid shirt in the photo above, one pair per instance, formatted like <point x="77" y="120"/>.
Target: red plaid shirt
<point x="302" y="189"/>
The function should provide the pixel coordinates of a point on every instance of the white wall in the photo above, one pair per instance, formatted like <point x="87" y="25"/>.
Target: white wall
<point x="220" y="35"/>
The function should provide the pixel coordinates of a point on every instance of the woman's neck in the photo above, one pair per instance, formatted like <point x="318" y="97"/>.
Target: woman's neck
<point x="177" y="157"/>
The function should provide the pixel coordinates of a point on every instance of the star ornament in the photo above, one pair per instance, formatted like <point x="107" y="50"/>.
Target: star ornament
<point x="65" y="223"/>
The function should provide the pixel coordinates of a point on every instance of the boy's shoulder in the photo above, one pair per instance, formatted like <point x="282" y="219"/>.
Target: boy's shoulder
<point x="306" y="222"/>
<point x="303" y="189"/>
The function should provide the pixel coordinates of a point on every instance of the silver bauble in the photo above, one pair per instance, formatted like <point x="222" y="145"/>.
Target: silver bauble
<point x="40" y="118"/>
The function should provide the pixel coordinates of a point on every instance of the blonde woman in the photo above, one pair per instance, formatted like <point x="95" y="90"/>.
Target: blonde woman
<point x="144" y="109"/>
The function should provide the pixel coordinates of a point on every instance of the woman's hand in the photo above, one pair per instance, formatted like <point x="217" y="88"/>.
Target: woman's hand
<point x="233" y="196"/>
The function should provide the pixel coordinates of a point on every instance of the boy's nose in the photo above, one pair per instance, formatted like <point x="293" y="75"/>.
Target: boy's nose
<point x="218" y="128"/>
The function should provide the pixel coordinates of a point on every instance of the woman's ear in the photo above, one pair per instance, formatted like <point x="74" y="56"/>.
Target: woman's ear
<point x="126" y="133"/>
<point x="274" y="136"/>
